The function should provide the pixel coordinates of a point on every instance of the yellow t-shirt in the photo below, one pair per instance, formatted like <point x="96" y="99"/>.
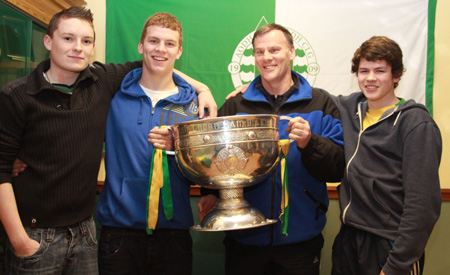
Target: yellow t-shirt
<point x="373" y="116"/>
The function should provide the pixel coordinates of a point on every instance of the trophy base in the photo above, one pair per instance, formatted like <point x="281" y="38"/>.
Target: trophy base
<point x="232" y="219"/>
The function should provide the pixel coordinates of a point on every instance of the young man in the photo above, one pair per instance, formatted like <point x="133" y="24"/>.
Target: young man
<point x="309" y="117"/>
<point x="54" y="120"/>
<point x="390" y="195"/>
<point x="149" y="97"/>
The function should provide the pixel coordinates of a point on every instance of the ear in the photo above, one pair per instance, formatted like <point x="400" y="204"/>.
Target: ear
<point x="93" y="49"/>
<point x="140" y="48"/>
<point x="292" y="51"/>
<point x="180" y="51"/>
<point x="48" y="42"/>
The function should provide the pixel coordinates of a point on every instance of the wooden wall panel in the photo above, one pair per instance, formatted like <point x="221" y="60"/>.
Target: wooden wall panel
<point x="43" y="10"/>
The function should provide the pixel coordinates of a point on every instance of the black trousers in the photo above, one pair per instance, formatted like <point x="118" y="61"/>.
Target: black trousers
<point x="133" y="252"/>
<point x="357" y="252"/>
<point x="299" y="258"/>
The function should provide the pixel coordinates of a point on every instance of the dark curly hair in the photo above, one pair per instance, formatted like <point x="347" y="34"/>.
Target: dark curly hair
<point x="380" y="48"/>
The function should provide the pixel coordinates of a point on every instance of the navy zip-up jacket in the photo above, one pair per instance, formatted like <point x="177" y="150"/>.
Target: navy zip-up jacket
<point x="309" y="169"/>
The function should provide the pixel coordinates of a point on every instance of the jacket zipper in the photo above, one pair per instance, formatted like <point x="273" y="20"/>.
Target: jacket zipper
<point x="356" y="151"/>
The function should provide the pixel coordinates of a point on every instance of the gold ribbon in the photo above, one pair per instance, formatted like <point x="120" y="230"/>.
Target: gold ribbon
<point x="284" y="216"/>
<point x="159" y="181"/>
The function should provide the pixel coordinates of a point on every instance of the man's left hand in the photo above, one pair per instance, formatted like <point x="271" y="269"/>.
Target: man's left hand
<point x="18" y="167"/>
<point x="299" y="130"/>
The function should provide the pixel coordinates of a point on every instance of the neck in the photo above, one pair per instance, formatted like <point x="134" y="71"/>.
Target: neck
<point x="58" y="77"/>
<point x="157" y="82"/>
<point x="381" y="103"/>
<point x="277" y="88"/>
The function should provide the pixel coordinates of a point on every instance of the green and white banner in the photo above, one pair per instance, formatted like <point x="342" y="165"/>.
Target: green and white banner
<point x="217" y="38"/>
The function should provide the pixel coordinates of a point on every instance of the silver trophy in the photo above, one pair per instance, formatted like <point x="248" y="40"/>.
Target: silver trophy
<point x="228" y="153"/>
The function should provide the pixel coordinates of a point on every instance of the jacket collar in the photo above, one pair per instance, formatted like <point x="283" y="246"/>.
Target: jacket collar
<point x="37" y="79"/>
<point x="304" y="92"/>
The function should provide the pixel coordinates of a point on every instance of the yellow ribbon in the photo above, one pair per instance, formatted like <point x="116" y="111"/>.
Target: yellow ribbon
<point x="159" y="182"/>
<point x="284" y="216"/>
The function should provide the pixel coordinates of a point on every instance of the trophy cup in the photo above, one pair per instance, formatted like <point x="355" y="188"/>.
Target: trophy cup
<point x="228" y="154"/>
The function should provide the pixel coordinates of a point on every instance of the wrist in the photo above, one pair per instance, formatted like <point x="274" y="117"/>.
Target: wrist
<point x="206" y="89"/>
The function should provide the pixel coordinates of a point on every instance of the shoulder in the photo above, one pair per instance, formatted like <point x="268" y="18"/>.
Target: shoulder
<point x="16" y="86"/>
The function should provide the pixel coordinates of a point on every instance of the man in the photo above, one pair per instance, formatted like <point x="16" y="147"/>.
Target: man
<point x="149" y="97"/>
<point x="54" y="120"/>
<point x="390" y="195"/>
<point x="309" y="117"/>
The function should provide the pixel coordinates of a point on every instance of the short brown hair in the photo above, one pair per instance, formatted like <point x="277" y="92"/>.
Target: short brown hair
<point x="380" y="48"/>
<point x="73" y="12"/>
<point x="165" y="20"/>
<point x="270" y="27"/>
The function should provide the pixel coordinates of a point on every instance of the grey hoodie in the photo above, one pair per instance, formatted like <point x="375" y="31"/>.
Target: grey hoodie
<point x="391" y="183"/>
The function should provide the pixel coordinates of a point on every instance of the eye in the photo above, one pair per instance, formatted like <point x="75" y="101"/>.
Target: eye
<point x="259" y="52"/>
<point x="153" y="41"/>
<point x="88" y="41"/>
<point x="67" y="38"/>
<point x="171" y="44"/>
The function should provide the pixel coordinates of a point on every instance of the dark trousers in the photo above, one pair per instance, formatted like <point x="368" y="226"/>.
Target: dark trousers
<point x="299" y="258"/>
<point x="132" y="251"/>
<point x="357" y="252"/>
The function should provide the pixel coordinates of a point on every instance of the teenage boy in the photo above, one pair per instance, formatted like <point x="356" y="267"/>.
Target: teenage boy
<point x="148" y="98"/>
<point x="54" y="120"/>
<point x="390" y="195"/>
<point x="310" y="118"/>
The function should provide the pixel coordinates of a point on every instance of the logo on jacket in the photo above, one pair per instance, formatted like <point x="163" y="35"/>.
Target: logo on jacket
<point x="243" y="69"/>
<point x="179" y="113"/>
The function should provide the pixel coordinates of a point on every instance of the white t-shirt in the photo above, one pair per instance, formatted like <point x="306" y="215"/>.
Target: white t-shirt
<point x="156" y="96"/>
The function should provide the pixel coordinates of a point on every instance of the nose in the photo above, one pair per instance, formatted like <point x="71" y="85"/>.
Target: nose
<point x="77" y="45"/>
<point x="267" y="55"/>
<point x="371" y="76"/>
<point x="161" y="47"/>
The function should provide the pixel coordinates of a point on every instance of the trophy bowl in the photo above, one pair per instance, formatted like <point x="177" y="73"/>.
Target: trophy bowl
<point x="228" y="154"/>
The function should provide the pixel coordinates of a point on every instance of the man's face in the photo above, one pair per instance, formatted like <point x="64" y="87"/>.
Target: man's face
<point x="273" y="56"/>
<point x="160" y="49"/>
<point x="377" y="83"/>
<point x="71" y="46"/>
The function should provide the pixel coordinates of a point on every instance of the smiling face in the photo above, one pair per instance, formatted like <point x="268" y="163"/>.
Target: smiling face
<point x="160" y="49"/>
<point x="376" y="81"/>
<point x="273" y="56"/>
<point x="71" y="46"/>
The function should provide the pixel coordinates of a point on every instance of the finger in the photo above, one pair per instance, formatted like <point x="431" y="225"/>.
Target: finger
<point x="201" y="111"/>
<point x="212" y="112"/>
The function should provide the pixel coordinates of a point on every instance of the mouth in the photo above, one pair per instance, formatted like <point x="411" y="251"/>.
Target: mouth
<point x="77" y="57"/>
<point x="371" y="87"/>
<point x="268" y="67"/>
<point x="158" y="58"/>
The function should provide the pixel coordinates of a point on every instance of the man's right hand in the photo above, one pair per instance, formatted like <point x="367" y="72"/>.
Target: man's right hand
<point x="241" y="89"/>
<point x="27" y="248"/>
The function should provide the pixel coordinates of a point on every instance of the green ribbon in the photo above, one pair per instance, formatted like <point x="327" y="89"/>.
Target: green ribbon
<point x="159" y="165"/>
<point x="284" y="216"/>
<point x="285" y="189"/>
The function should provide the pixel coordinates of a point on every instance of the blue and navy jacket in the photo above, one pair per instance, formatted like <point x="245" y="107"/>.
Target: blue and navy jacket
<point x="123" y="201"/>
<point x="321" y="161"/>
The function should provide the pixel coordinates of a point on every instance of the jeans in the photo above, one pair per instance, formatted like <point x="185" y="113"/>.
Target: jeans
<point x="134" y="252"/>
<point x="62" y="250"/>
